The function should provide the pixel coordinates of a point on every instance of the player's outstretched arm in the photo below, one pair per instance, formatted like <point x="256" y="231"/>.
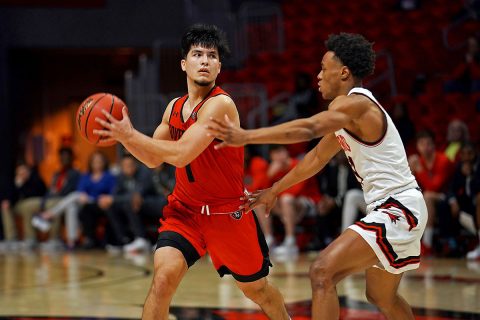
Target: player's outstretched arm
<point x="340" y="112"/>
<point x="312" y="163"/>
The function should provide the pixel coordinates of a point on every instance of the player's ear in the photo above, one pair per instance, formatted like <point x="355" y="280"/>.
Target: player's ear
<point x="345" y="73"/>
<point x="182" y="64"/>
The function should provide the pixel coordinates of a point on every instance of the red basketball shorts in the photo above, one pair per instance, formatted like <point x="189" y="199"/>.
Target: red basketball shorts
<point x="234" y="241"/>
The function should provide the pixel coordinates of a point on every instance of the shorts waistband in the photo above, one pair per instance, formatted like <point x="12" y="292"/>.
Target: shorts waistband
<point x="375" y="203"/>
<point x="206" y="208"/>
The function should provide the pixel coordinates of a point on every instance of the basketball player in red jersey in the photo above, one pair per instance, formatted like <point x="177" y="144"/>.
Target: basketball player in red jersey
<point x="202" y="214"/>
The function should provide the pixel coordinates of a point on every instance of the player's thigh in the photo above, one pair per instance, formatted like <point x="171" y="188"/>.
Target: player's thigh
<point x="347" y="254"/>
<point x="382" y="286"/>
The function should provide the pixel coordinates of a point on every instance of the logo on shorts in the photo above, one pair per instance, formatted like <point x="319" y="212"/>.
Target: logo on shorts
<point x="237" y="215"/>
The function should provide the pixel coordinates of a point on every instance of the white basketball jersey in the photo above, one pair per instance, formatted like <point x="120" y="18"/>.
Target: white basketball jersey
<point x="381" y="167"/>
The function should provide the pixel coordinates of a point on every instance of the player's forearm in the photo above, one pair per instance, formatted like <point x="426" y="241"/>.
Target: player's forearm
<point x="309" y="166"/>
<point x="152" y="152"/>
<point x="290" y="132"/>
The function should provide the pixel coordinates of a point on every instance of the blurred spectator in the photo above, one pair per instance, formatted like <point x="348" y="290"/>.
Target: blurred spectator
<point x="134" y="197"/>
<point x="96" y="182"/>
<point x="463" y="196"/>
<point x="432" y="170"/>
<point x="27" y="187"/>
<point x="63" y="182"/>
<point x="466" y="76"/>
<point x="289" y="206"/>
<point x="457" y="135"/>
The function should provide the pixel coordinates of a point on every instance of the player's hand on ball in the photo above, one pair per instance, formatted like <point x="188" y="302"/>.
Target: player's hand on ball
<point x="114" y="129"/>
<point x="264" y="197"/>
<point x="227" y="131"/>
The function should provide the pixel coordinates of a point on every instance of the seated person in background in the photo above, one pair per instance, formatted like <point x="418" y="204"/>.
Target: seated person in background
<point x="464" y="194"/>
<point x="97" y="181"/>
<point x="63" y="182"/>
<point x="432" y="169"/>
<point x="134" y="196"/>
<point x="457" y="136"/>
<point x="28" y="186"/>
<point x="289" y="203"/>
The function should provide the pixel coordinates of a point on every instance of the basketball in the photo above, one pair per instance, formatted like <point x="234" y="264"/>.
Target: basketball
<point x="90" y="109"/>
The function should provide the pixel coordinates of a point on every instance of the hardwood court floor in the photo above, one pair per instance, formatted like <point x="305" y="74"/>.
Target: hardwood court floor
<point x="100" y="285"/>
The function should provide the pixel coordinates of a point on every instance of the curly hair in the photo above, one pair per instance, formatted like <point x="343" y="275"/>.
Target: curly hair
<point x="354" y="51"/>
<point x="208" y="36"/>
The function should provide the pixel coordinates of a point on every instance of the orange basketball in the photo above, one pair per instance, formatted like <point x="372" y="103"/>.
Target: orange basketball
<point x="90" y="109"/>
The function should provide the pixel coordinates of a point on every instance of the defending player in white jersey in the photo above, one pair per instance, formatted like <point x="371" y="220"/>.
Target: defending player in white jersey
<point x="387" y="241"/>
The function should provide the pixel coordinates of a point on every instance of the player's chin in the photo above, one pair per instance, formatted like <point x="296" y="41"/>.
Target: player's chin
<point x="203" y="82"/>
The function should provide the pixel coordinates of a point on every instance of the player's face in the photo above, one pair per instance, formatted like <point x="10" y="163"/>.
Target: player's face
<point x="330" y="77"/>
<point x="202" y="65"/>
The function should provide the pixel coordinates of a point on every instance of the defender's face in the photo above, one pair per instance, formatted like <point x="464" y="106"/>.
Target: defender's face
<point x="202" y="65"/>
<point x="330" y="77"/>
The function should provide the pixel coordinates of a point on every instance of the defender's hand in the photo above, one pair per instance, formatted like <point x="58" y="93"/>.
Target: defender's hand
<point x="227" y="131"/>
<point x="261" y="197"/>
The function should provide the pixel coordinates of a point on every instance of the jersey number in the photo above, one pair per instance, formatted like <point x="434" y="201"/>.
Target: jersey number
<point x="352" y="165"/>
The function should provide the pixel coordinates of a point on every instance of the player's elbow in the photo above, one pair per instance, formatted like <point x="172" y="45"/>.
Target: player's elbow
<point x="180" y="161"/>
<point x="151" y="165"/>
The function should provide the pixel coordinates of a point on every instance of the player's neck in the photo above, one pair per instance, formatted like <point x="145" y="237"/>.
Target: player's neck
<point x="197" y="93"/>
<point x="349" y="86"/>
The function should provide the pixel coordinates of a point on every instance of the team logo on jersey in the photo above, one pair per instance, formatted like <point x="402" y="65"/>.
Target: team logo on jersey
<point x="343" y="143"/>
<point x="194" y="116"/>
<point x="237" y="215"/>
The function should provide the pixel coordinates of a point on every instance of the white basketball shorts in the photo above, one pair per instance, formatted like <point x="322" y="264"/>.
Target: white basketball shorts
<point x="393" y="227"/>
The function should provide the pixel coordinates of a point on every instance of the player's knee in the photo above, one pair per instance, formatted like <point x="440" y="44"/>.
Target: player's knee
<point x="321" y="274"/>
<point x="256" y="291"/>
<point x="162" y="286"/>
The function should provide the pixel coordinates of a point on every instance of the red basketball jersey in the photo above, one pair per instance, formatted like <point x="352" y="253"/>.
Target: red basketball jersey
<point x="215" y="177"/>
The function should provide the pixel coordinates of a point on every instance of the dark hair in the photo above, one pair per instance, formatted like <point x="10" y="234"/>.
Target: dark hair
<point x="208" y="36"/>
<point x="354" y="51"/>
<point x="426" y="133"/>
